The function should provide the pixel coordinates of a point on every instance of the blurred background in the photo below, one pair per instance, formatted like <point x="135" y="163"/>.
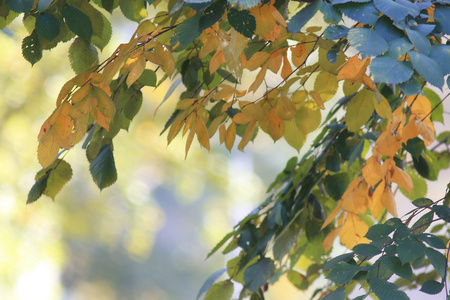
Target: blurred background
<point x="147" y="236"/>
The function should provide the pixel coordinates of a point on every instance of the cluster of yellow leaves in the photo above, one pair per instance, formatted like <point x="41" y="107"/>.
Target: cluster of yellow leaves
<point x="89" y="95"/>
<point x="372" y="191"/>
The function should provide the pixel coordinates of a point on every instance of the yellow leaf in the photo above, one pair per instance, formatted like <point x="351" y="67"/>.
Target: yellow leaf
<point x="353" y="231"/>
<point x="382" y="106"/>
<point x="372" y="171"/>
<point x="293" y="135"/>
<point x="387" y="199"/>
<point x="222" y="133"/>
<point x="209" y="45"/>
<point x="276" y="125"/>
<point x="286" y="70"/>
<point x="359" y="110"/>
<point x="350" y="88"/>
<point x="202" y="132"/>
<point x="189" y="141"/>
<point x="409" y="130"/>
<point x="48" y="148"/>
<point x="63" y="131"/>
<point x="135" y="70"/>
<point x="185" y="104"/>
<point x="230" y="136"/>
<point x="80" y="128"/>
<point x="329" y="239"/>
<point x="247" y="136"/>
<point x="265" y="20"/>
<point x="259" y="79"/>
<point x="368" y="82"/>
<point x="333" y="215"/>
<point x="356" y="198"/>
<point x="326" y="85"/>
<point x="299" y="97"/>
<point x="354" y="69"/>
<point x="299" y="54"/>
<point x="316" y="97"/>
<point x="285" y="108"/>
<point x="308" y="117"/>
<point x="242" y="119"/>
<point x="257" y="60"/>
<point x="387" y="144"/>
<point x="81" y="93"/>
<point x="419" y="105"/>
<point x="276" y="14"/>
<point x="402" y="179"/>
<point x="426" y="130"/>
<point x="254" y="110"/>
<point x="376" y="206"/>
<point x="216" y="61"/>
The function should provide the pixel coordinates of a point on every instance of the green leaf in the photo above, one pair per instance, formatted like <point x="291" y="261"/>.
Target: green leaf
<point x="298" y="280"/>
<point x="410" y="250"/>
<point x="393" y="264"/>
<point x="133" y="106"/>
<point x="365" y="13"/>
<point x="148" y="78"/>
<point x="338" y="294"/>
<point x="332" y="262"/>
<point x="103" y="168"/>
<point x="221" y="243"/>
<point x="437" y="260"/>
<point x="388" y="70"/>
<point x="102" y="40"/>
<point x="37" y="189"/>
<point x="47" y="26"/>
<point x="397" y="11"/>
<point x="333" y="162"/>
<point x="77" y="21"/>
<point x="58" y="177"/>
<point x="20" y="6"/>
<point x="425" y="167"/>
<point x="82" y="55"/>
<point x="423" y="223"/>
<point x="343" y="273"/>
<point x="432" y="287"/>
<point x="303" y="16"/>
<point x="209" y="282"/>
<point x="135" y="10"/>
<point x="379" y="231"/>
<point x="368" y="42"/>
<point x="284" y="243"/>
<point x="438" y="108"/>
<point x="242" y="21"/>
<point x="212" y="14"/>
<point x="386" y="290"/>
<point x="257" y="275"/>
<point x="359" y="109"/>
<point x="31" y="48"/>
<point x="442" y="211"/>
<point x="428" y="68"/>
<point x="422" y="202"/>
<point x="335" y="185"/>
<point x="419" y="40"/>
<point x="220" y="291"/>
<point x="432" y="240"/>
<point x="366" y="250"/>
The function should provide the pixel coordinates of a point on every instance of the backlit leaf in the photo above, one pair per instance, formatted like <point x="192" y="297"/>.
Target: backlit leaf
<point x="220" y="291"/>
<point x="31" y="48"/>
<point x="359" y="109"/>
<point x="58" y="177"/>
<point x="135" y="10"/>
<point x="48" y="148"/>
<point x="82" y="55"/>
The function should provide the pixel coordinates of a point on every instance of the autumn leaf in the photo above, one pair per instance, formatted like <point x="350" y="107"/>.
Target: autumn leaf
<point x="354" y="69"/>
<point x="353" y="231"/>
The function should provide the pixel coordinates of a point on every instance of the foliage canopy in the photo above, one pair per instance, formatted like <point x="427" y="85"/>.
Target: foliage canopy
<point x="381" y="56"/>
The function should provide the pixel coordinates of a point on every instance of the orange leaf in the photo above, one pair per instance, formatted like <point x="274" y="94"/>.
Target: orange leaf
<point x="387" y="199"/>
<point x="299" y="54"/>
<point x="333" y="215"/>
<point x="189" y="141"/>
<point x="286" y="70"/>
<point x="230" y="136"/>
<point x="275" y="61"/>
<point x="419" y="105"/>
<point x="247" y="136"/>
<point x="353" y="231"/>
<point x="216" y="61"/>
<point x="354" y="69"/>
<point x="259" y="79"/>
<point x="285" y="108"/>
<point x="402" y="179"/>
<point x="257" y="60"/>
<point x="276" y="125"/>
<point x="222" y="133"/>
<point x="242" y="119"/>
<point x="387" y="144"/>
<point x="329" y="239"/>
<point x="316" y="97"/>
<point x="372" y="171"/>
<point x="376" y="206"/>
<point x="135" y="70"/>
<point x="356" y="198"/>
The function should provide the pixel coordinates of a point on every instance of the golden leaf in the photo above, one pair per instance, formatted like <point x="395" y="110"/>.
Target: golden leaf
<point x="189" y="141"/>
<point x="216" y="61"/>
<point x="299" y="97"/>
<point x="372" y="171"/>
<point x="409" y="130"/>
<point x="387" y="144"/>
<point x="299" y="54"/>
<point x="242" y="119"/>
<point x="230" y="136"/>
<point x="381" y="105"/>
<point x="214" y="125"/>
<point x="308" y="117"/>
<point x="354" y="69"/>
<point x="388" y="201"/>
<point x="426" y="130"/>
<point x="254" y="110"/>
<point x="356" y="198"/>
<point x="80" y="128"/>
<point x="419" y="105"/>
<point x="329" y="239"/>
<point x="376" y="206"/>
<point x="247" y="136"/>
<point x="402" y="179"/>
<point x="293" y="135"/>
<point x="316" y="97"/>
<point x="286" y="70"/>
<point x="135" y="70"/>
<point x="276" y="125"/>
<point x="257" y="60"/>
<point x="275" y="60"/>
<point x="333" y="215"/>
<point x="353" y="231"/>
<point x="48" y="148"/>
<point x="63" y="130"/>
<point x="368" y="82"/>
<point x="222" y="133"/>
<point x="259" y="79"/>
<point x="326" y="85"/>
<point x="202" y="132"/>
<point x="285" y="108"/>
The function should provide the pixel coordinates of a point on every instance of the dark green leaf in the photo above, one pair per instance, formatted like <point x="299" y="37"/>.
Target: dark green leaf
<point x="355" y="152"/>
<point x="135" y="10"/>
<point x="242" y="21"/>
<point x="101" y="39"/>
<point x="415" y="147"/>
<point x="365" y="13"/>
<point x="82" y="55"/>
<point x="423" y="223"/>
<point x="257" y="275"/>
<point x="148" y="78"/>
<point x="333" y="162"/>
<point x="220" y="291"/>
<point x="209" y="282"/>
<point x="298" y="280"/>
<point x="442" y="13"/>
<point x="20" y="6"/>
<point x="410" y="250"/>
<point x="394" y="265"/>
<point x="437" y="260"/>
<point x="332" y="262"/>
<point x="388" y="70"/>
<point x="103" y="168"/>
<point x="425" y="167"/>
<point x="303" y="16"/>
<point x="31" y="48"/>
<point x="419" y="40"/>
<point x="37" y="189"/>
<point x="188" y="31"/>
<point x="108" y="5"/>
<point x="422" y="202"/>
<point x="429" y="69"/>
<point x="432" y="240"/>
<point x="189" y="74"/>
<point x="343" y="273"/>
<point x="335" y="185"/>
<point x="47" y="26"/>
<point x="338" y="294"/>
<point x="432" y="287"/>
<point x="386" y="290"/>
<point x="77" y="21"/>
<point x="212" y="14"/>
<point x="442" y="211"/>
<point x="366" y="250"/>
<point x="379" y="231"/>
<point x="133" y="106"/>
<point x="57" y="178"/>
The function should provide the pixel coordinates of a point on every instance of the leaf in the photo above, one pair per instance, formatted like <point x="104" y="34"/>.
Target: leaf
<point x="336" y="184"/>
<point x="303" y="16"/>
<point x="438" y="109"/>
<point x="220" y="291"/>
<point x="388" y="70"/>
<point x="442" y="13"/>
<point x="410" y="250"/>
<point x="419" y="40"/>
<point x="82" y="55"/>
<point x="353" y="231"/>
<point x="31" y="48"/>
<point x="20" y="6"/>
<point x="135" y="10"/>
<point x="396" y="10"/>
<point x="135" y="71"/>
<point x="433" y="240"/>
<point x="217" y="247"/>
<point x="359" y="110"/>
<point x="365" y="13"/>
<point x="103" y="168"/>
<point x="423" y="223"/>
<point x="394" y="265"/>
<point x="438" y="261"/>
<point x="188" y="31"/>
<point x="366" y="250"/>
<point x="399" y="47"/>
<point x="209" y="282"/>
<point x="422" y="202"/>
<point x="57" y="178"/>
<point x="379" y="231"/>
<point x="48" y="148"/>
<point x="354" y="69"/>
<point x="47" y="26"/>
<point x="335" y="260"/>
<point x="257" y="275"/>
<point x="420" y="186"/>
<point x="432" y="287"/>
<point x="386" y="290"/>
<point x="442" y="211"/>
<point x="212" y="14"/>
<point x="427" y="68"/>
<point x="148" y="78"/>
<point x="242" y="21"/>
<point x="102" y="29"/>
<point x="294" y="135"/>
<point x="77" y="21"/>
<point x="105" y="111"/>
<point x="368" y="42"/>
<point x="343" y="273"/>
<point x="298" y="280"/>
<point x="37" y="189"/>
<point x="326" y="85"/>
